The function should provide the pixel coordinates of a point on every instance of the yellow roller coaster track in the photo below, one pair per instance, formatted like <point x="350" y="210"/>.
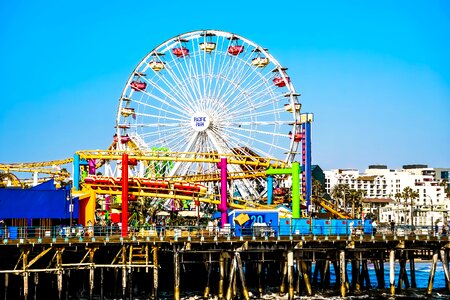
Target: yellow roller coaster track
<point x="184" y="157"/>
<point x="30" y="165"/>
<point x="169" y="194"/>
<point x="11" y="178"/>
<point x="328" y="206"/>
<point x="38" y="167"/>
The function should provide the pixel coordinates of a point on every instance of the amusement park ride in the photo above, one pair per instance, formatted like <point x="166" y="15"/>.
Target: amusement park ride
<point x="208" y="120"/>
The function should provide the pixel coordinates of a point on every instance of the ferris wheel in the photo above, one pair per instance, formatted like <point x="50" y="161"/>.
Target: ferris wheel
<point x="210" y="91"/>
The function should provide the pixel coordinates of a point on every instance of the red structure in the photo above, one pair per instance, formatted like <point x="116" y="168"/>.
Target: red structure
<point x="235" y="50"/>
<point x="279" y="81"/>
<point x="124" y="194"/>
<point x="138" y="85"/>
<point x="180" y="52"/>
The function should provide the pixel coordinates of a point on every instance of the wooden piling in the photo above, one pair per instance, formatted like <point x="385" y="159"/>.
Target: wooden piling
<point x="432" y="272"/>
<point x="404" y="273"/>
<point x="242" y="276"/>
<point x="305" y="276"/>
<point x="326" y="274"/>
<point x="392" y="271"/>
<point x="91" y="273"/>
<point x="282" y="290"/>
<point x="315" y="276"/>
<point x="6" y="285"/>
<point x="290" y="270"/>
<point x="260" y="283"/>
<point x="342" y="273"/>
<point x="36" y="282"/>
<point x="356" y="272"/>
<point x="25" y="273"/>
<point x="382" y="280"/>
<point x="221" y="276"/>
<point x="299" y="276"/>
<point x="176" y="271"/>
<point x="59" y="273"/>
<point x="412" y="268"/>
<point x="130" y="284"/>
<point x="401" y="272"/>
<point x="379" y="272"/>
<point x="155" y="272"/>
<point x="124" y="271"/>
<point x="102" y="296"/>
<point x="365" y="275"/>
<point x="231" y="280"/>
<point x="445" y="266"/>
<point x="208" y="277"/>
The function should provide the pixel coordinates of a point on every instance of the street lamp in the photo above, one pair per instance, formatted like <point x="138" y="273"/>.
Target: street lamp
<point x="411" y="214"/>
<point x="69" y="198"/>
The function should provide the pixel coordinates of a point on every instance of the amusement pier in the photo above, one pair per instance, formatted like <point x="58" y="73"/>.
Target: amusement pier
<point x="217" y="263"/>
<point x="207" y="187"/>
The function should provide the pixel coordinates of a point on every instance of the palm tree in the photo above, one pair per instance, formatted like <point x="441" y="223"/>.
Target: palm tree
<point x="409" y="194"/>
<point x="398" y="196"/>
<point x="317" y="189"/>
<point x="355" y="197"/>
<point x="444" y="183"/>
<point x="340" y="192"/>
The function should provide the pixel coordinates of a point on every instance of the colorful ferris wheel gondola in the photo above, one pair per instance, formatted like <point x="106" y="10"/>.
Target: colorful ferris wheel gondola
<point x="235" y="48"/>
<point x="208" y="45"/>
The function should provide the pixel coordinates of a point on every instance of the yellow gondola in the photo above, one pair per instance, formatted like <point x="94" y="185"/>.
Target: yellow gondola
<point x="208" y="47"/>
<point x="260" y="62"/>
<point x="156" y="65"/>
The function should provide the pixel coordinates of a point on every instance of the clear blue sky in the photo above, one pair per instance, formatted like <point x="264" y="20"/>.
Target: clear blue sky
<point x="376" y="74"/>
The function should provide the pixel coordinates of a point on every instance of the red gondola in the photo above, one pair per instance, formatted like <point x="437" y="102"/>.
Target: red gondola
<point x="180" y="51"/>
<point x="297" y="137"/>
<point x="235" y="50"/>
<point x="280" y="82"/>
<point x="125" y="139"/>
<point x="138" y="85"/>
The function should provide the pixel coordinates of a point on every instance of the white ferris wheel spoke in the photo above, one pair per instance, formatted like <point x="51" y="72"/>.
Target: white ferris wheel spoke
<point x="210" y="101"/>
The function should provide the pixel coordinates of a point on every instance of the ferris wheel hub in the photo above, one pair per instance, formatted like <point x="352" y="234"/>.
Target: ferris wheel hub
<point x="200" y="121"/>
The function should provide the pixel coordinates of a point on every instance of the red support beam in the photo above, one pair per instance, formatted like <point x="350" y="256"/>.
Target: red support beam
<point x="124" y="195"/>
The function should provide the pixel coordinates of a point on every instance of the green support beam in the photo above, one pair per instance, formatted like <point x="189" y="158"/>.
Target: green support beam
<point x="294" y="171"/>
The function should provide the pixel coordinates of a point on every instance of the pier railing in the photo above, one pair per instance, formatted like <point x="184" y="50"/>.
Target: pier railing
<point x="39" y="233"/>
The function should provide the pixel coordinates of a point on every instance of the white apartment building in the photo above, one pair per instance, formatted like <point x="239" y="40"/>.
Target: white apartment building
<point x="379" y="182"/>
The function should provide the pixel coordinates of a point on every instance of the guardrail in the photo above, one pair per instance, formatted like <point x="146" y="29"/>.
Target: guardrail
<point x="53" y="232"/>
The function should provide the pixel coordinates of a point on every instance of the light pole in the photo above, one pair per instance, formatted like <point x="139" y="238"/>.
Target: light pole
<point x="411" y="214"/>
<point x="69" y="198"/>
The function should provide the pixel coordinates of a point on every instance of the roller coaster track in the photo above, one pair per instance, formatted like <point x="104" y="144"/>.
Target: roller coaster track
<point x="168" y="194"/>
<point x="35" y="164"/>
<point x="330" y="207"/>
<point x="11" y="178"/>
<point x="38" y="167"/>
<point x="184" y="157"/>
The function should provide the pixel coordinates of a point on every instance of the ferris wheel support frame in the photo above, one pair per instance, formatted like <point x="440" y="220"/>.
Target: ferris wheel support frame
<point x="307" y="119"/>
<point x="223" y="207"/>
<point x="294" y="171"/>
<point x="125" y="195"/>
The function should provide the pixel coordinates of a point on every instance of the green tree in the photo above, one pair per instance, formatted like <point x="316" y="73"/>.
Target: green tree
<point x="409" y="194"/>
<point x="317" y="189"/>
<point x="355" y="197"/>
<point x="340" y="192"/>
<point x="444" y="183"/>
